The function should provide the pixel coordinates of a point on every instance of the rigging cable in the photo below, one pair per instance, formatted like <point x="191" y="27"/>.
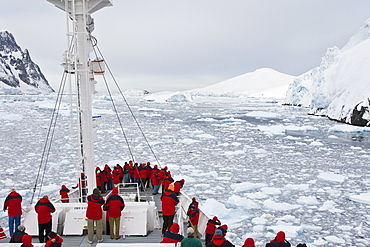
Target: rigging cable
<point x="49" y="137"/>
<point x="128" y="106"/>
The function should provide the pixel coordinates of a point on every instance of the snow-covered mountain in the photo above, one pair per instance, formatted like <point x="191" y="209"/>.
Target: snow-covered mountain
<point x="261" y="83"/>
<point x="340" y="87"/>
<point x="18" y="73"/>
<point x="265" y="82"/>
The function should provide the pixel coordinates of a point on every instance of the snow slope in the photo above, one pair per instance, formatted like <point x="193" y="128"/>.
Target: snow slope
<point x="263" y="83"/>
<point x="339" y="88"/>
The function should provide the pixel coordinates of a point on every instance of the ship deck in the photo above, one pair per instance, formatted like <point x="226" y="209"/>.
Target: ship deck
<point x="154" y="236"/>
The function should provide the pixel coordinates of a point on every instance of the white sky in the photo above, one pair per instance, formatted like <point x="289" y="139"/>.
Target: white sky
<point x="177" y="45"/>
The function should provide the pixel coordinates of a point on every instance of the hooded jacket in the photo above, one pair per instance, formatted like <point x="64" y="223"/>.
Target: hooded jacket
<point x="211" y="225"/>
<point x="179" y="185"/>
<point x="249" y="242"/>
<point x="219" y="241"/>
<point x="169" y="202"/>
<point x="94" y="207"/>
<point x="279" y="241"/>
<point x="193" y="215"/>
<point x="172" y="235"/>
<point x="64" y="194"/>
<point x="27" y="241"/>
<point x="13" y="203"/>
<point x="17" y="236"/>
<point x="44" y="208"/>
<point x="114" y="204"/>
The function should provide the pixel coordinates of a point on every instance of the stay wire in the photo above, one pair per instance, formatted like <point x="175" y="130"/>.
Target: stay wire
<point x="49" y="137"/>
<point x="129" y="108"/>
<point x="113" y="104"/>
<point x="115" y="108"/>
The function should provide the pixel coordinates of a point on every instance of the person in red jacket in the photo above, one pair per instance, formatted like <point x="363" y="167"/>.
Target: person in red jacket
<point x="211" y="228"/>
<point x="116" y="175"/>
<point x="193" y="214"/>
<point x="279" y="241"/>
<point x="13" y="203"/>
<point x="94" y="214"/>
<point x="167" y="181"/>
<point x="44" y="208"/>
<point x="54" y="240"/>
<point x="27" y="241"/>
<point x="178" y="185"/>
<point x="155" y="183"/>
<point x="219" y="240"/>
<point x="114" y="205"/>
<point x="99" y="180"/>
<point x="169" y="202"/>
<point x="64" y="194"/>
<point x="109" y="177"/>
<point x="172" y="235"/>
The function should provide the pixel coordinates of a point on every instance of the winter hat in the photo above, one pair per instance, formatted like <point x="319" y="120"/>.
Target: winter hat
<point x="96" y="192"/>
<point x="52" y="235"/>
<point x="170" y="187"/>
<point x="218" y="232"/>
<point x="193" y="199"/>
<point x="175" y="228"/>
<point x="190" y="231"/>
<point x="214" y="218"/>
<point x="249" y="242"/>
<point x="280" y="237"/>
<point x="148" y="163"/>
<point x="155" y="166"/>
<point x="27" y="240"/>
<point x="115" y="191"/>
<point x="224" y="227"/>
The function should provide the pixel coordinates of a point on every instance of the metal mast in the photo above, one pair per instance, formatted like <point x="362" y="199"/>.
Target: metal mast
<point x="76" y="61"/>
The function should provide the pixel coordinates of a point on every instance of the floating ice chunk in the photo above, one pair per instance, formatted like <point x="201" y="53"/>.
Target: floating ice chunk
<point x="279" y="206"/>
<point x="247" y="186"/>
<point x="301" y="128"/>
<point x="189" y="141"/>
<point x="206" y="136"/>
<point x="271" y="191"/>
<point x="243" y="202"/>
<point x="362" y="198"/>
<point x="300" y="187"/>
<point x="316" y="143"/>
<point x="348" y="128"/>
<point x="262" y="114"/>
<point x="308" y="200"/>
<point x="330" y="206"/>
<point x="259" y="221"/>
<point x="272" y="130"/>
<point x="213" y="207"/>
<point x="332" y="177"/>
<point x="320" y="242"/>
<point x="335" y="239"/>
<point x="198" y="173"/>
<point x="257" y="195"/>
<point x="10" y="116"/>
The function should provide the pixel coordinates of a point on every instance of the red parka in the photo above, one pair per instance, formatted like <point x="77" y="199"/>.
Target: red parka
<point x="94" y="207"/>
<point x="114" y="204"/>
<point x="44" y="208"/>
<point x="13" y="203"/>
<point x="172" y="235"/>
<point x="169" y="202"/>
<point x="64" y="194"/>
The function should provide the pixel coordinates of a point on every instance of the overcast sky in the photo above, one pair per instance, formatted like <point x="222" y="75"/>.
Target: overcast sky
<point x="184" y="44"/>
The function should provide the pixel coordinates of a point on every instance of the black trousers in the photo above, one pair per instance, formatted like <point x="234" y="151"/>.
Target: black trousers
<point x="167" y="222"/>
<point x="46" y="227"/>
<point x="208" y="238"/>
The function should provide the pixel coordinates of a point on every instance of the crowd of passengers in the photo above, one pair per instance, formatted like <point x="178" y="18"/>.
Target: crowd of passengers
<point x="107" y="179"/>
